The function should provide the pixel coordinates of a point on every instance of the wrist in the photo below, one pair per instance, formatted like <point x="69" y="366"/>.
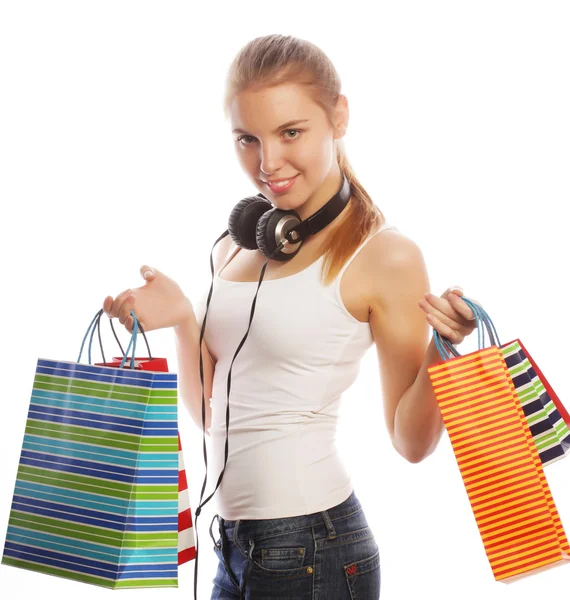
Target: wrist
<point x="184" y="326"/>
<point x="187" y="317"/>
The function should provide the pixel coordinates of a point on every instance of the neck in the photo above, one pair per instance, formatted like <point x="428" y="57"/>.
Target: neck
<point x="330" y="186"/>
<point x="329" y="230"/>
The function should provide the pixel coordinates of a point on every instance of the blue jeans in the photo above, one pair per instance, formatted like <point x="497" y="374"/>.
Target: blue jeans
<point x="328" y="555"/>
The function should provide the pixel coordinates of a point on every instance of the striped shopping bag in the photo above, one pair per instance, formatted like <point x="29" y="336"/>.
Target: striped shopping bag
<point x="542" y="408"/>
<point x="548" y="388"/>
<point x="497" y="457"/>
<point x="186" y="540"/>
<point x="96" y="494"/>
<point x="547" y="427"/>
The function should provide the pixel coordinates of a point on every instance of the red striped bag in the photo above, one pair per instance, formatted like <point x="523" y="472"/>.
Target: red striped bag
<point x="186" y="542"/>
<point x="497" y="458"/>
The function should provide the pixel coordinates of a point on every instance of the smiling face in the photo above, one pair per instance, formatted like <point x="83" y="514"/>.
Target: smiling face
<point x="281" y="133"/>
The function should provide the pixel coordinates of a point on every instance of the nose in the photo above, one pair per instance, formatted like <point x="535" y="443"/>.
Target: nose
<point x="271" y="158"/>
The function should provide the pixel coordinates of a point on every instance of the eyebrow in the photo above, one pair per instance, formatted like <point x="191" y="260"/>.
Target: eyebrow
<point x="288" y="124"/>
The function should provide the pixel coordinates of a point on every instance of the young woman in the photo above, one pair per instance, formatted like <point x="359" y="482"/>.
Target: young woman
<point x="291" y="525"/>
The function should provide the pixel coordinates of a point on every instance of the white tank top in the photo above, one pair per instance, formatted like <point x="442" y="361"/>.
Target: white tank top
<point x="302" y="352"/>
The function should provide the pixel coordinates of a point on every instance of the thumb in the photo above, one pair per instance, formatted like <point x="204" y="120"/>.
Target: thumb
<point x="147" y="272"/>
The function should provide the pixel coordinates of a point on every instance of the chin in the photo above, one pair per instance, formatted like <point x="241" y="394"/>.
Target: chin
<point x="286" y="204"/>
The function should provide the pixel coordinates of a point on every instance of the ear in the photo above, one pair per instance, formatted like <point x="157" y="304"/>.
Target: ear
<point x="341" y="117"/>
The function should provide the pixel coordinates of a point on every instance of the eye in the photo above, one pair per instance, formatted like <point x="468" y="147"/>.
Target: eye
<point x="241" y="137"/>
<point x="294" y="130"/>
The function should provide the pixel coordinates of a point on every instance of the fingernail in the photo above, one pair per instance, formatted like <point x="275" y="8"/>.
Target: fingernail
<point x="456" y="288"/>
<point x="147" y="273"/>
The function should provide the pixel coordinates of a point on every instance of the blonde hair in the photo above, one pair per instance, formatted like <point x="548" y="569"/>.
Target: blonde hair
<point x="274" y="59"/>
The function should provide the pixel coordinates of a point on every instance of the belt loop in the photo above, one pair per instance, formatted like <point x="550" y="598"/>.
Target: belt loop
<point x="211" y="535"/>
<point x="225" y="548"/>
<point x="236" y="526"/>
<point x="248" y="569"/>
<point x="329" y="525"/>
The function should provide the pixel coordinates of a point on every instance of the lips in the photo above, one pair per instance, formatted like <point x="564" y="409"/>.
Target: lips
<point x="278" y="186"/>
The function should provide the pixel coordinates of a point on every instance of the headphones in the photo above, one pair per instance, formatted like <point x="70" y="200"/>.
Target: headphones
<point x="254" y="223"/>
<point x="279" y="234"/>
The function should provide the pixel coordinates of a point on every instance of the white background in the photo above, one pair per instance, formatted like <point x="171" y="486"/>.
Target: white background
<point x="114" y="152"/>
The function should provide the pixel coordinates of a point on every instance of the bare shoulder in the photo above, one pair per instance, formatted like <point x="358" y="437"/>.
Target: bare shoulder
<point x="392" y="264"/>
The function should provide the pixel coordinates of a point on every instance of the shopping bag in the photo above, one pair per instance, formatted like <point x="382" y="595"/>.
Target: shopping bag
<point x="186" y="540"/>
<point x="551" y="393"/>
<point x="148" y="363"/>
<point x="498" y="460"/>
<point x="547" y="427"/>
<point x="96" y="494"/>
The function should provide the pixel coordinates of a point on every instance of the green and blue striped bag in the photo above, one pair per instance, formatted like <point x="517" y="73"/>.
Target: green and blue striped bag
<point x="96" y="494"/>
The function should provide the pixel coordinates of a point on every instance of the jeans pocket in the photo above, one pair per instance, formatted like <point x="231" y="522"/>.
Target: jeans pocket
<point x="282" y="558"/>
<point x="289" y="558"/>
<point x="363" y="578"/>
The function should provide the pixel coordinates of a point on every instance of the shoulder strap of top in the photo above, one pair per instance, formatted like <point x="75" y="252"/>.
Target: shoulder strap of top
<point x="355" y="253"/>
<point x="232" y="251"/>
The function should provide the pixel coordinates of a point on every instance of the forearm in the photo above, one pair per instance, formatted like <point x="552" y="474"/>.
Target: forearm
<point x="418" y="424"/>
<point x="187" y="336"/>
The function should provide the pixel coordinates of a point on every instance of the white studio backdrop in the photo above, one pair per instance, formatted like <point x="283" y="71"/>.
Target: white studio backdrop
<point x="114" y="152"/>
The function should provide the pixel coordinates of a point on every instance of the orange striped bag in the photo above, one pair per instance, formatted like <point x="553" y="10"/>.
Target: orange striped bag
<point x="497" y="457"/>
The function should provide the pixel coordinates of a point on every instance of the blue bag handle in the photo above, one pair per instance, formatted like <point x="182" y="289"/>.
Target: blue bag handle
<point x="444" y="345"/>
<point x="95" y="323"/>
<point x="446" y="348"/>
<point x="118" y="342"/>
<point x="99" y="314"/>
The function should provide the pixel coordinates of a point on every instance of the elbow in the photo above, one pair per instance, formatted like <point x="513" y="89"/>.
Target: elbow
<point x="417" y="455"/>
<point x="415" y="458"/>
<point x="198" y="422"/>
<point x="412" y="453"/>
<point x="206" y="430"/>
<point x="409" y="454"/>
<point x="414" y="449"/>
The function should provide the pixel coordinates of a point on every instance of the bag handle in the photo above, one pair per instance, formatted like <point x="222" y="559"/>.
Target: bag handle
<point x="99" y="315"/>
<point x="118" y="342"/>
<point x="95" y="324"/>
<point x="446" y="348"/>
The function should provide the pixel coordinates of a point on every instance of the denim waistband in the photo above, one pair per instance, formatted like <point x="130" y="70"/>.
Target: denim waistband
<point x="249" y="528"/>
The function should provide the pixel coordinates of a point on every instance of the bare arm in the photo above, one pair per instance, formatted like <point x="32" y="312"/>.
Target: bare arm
<point x="401" y="335"/>
<point x="187" y="336"/>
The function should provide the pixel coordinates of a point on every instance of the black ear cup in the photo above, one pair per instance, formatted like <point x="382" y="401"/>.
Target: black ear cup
<point x="255" y="223"/>
<point x="272" y="228"/>
<point x="243" y="220"/>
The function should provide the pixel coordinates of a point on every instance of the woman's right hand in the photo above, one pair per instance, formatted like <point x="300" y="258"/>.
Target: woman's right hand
<point x="158" y="304"/>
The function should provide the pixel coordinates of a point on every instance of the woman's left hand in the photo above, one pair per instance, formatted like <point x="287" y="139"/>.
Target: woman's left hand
<point x="449" y="314"/>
